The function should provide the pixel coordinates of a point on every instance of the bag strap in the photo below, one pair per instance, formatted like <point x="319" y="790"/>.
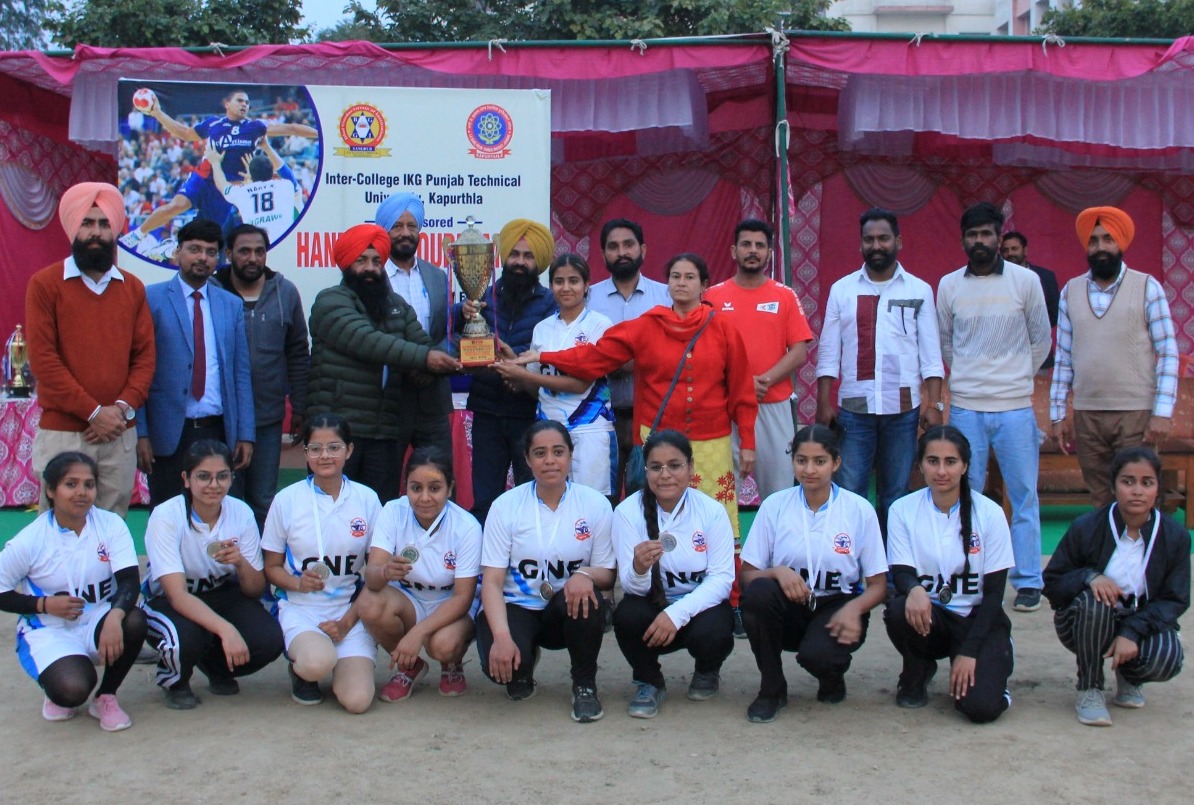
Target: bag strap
<point x="679" y="371"/>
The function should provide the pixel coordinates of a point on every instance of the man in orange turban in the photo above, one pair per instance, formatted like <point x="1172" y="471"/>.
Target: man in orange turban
<point x="1119" y="360"/>
<point x="91" y="346"/>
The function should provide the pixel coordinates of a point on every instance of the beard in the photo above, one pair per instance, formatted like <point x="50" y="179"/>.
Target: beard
<point x="626" y="268"/>
<point x="374" y="293"/>
<point x="518" y="281"/>
<point x="978" y="253"/>
<point x="247" y="274"/>
<point x="92" y="259"/>
<point x="402" y="250"/>
<point x="1104" y="265"/>
<point x="879" y="261"/>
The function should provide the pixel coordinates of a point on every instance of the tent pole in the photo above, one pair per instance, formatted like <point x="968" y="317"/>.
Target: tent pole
<point x="781" y="147"/>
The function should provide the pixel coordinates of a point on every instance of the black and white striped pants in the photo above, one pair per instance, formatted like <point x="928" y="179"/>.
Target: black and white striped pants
<point x="1087" y="628"/>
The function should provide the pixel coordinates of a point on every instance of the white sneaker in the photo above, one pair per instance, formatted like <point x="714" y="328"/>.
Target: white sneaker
<point x="1127" y="694"/>
<point x="1092" y="708"/>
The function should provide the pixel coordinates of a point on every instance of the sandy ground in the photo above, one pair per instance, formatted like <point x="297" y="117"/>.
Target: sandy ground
<point x="259" y="746"/>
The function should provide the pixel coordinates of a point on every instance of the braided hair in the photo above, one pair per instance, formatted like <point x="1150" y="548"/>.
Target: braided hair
<point x="659" y="438"/>
<point x="948" y="433"/>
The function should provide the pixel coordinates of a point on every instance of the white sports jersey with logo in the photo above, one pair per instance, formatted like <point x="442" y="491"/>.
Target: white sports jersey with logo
<point x="268" y="204"/>
<point x="698" y="573"/>
<point x="452" y="551"/>
<point x="841" y="547"/>
<point x="46" y="559"/>
<point x="345" y="526"/>
<point x="576" y="534"/>
<point x="590" y="409"/>
<point x="921" y="536"/>
<point x="175" y="546"/>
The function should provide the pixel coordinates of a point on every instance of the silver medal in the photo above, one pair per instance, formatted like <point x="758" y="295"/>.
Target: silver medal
<point x="945" y="594"/>
<point x="546" y="591"/>
<point x="667" y="541"/>
<point x="320" y="569"/>
<point x="214" y="548"/>
<point x="410" y="553"/>
<point x="811" y="603"/>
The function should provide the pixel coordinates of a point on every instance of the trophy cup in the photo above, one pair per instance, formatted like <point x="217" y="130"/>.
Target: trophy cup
<point x="471" y="257"/>
<point x="16" y="360"/>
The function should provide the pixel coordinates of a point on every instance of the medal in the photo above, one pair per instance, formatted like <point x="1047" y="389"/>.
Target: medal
<point x="668" y="542"/>
<point x="546" y="591"/>
<point x="811" y="603"/>
<point x="945" y="594"/>
<point x="320" y="569"/>
<point x="410" y="553"/>
<point x="214" y="548"/>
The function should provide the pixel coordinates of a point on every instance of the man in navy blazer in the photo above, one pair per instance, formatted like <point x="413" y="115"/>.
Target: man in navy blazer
<point x="196" y="394"/>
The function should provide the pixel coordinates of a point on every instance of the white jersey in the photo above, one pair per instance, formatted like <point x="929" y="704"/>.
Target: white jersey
<point x="344" y="526"/>
<point x="46" y="559"/>
<point x="921" y="536"/>
<point x="522" y="533"/>
<point x="268" y="204"/>
<point x="590" y="409"/>
<point x="699" y="572"/>
<point x="176" y="546"/>
<point x="836" y="547"/>
<point x="449" y="550"/>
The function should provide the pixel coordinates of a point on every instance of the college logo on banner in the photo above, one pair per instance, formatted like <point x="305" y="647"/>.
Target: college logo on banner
<point x="362" y="128"/>
<point x="490" y="129"/>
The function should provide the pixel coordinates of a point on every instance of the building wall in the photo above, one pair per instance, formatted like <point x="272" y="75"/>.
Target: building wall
<point x="1002" y="17"/>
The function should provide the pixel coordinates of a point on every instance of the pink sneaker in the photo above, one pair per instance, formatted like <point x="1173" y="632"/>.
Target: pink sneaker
<point x="54" y="712"/>
<point x="111" y="717"/>
<point x="402" y="684"/>
<point x="451" y="679"/>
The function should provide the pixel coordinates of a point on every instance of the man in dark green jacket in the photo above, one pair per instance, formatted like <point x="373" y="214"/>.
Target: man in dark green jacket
<point x="365" y="344"/>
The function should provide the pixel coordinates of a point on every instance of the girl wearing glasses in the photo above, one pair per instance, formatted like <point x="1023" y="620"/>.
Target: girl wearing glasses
<point x="315" y="542"/>
<point x="421" y="582"/>
<point x="812" y="571"/>
<point x="206" y="582"/>
<point x="675" y="552"/>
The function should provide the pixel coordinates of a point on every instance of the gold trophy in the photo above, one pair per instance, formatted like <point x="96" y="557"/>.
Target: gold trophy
<point x="471" y="257"/>
<point x="16" y="361"/>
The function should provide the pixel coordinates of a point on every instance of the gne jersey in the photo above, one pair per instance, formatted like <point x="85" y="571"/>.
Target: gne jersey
<point x="176" y="546"/>
<point x="449" y="550"/>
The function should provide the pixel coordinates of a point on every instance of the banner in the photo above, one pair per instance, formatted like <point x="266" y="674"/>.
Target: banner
<point x="307" y="162"/>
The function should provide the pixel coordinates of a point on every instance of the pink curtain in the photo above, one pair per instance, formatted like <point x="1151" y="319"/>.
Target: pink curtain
<point x="902" y="189"/>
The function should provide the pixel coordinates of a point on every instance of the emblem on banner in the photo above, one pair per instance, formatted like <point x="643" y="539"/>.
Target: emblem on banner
<point x="362" y="128"/>
<point x="490" y="129"/>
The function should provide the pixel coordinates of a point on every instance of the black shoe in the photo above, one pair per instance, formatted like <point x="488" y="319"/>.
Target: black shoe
<point x="609" y="616"/>
<point x="739" y="629"/>
<point x="913" y="688"/>
<point x="181" y="697"/>
<point x="704" y="685"/>
<point x="832" y="690"/>
<point x="520" y="689"/>
<point x="223" y="686"/>
<point x="302" y="691"/>
<point x="764" y="709"/>
<point x="1028" y="599"/>
<point x="586" y="707"/>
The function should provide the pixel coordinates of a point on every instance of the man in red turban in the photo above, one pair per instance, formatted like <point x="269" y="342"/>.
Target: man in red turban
<point x="91" y="346"/>
<point x="1119" y="360"/>
<point x="366" y="345"/>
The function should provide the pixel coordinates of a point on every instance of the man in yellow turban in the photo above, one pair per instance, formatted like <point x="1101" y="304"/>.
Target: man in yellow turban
<point x="501" y="413"/>
<point x="1120" y="360"/>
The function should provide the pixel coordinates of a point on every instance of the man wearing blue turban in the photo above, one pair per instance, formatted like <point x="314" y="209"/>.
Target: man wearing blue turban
<point x="427" y="398"/>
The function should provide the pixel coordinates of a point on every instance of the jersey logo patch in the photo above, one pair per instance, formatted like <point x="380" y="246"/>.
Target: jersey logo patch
<point x="727" y="305"/>
<point x="767" y="307"/>
<point x="581" y="338"/>
<point x="582" y="530"/>
<point x="450" y="560"/>
<point x="841" y="543"/>
<point x="357" y="527"/>
<point x="975" y="545"/>
<point x="698" y="541"/>
<point x="101" y="551"/>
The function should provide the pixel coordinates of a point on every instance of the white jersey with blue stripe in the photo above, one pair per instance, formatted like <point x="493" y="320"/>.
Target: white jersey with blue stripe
<point x="452" y="552"/>
<point x="175" y="545"/>
<point x="590" y="409"/>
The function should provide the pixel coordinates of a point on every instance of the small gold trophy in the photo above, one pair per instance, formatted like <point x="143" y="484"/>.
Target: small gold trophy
<point x="471" y="257"/>
<point x="16" y="360"/>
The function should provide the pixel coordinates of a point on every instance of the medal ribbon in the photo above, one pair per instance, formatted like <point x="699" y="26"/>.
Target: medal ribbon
<point x="941" y="548"/>
<point x="802" y="505"/>
<point x="540" y="543"/>
<point x="420" y="541"/>
<point x="1152" y="541"/>
<point x="671" y="518"/>
<point x="316" y="516"/>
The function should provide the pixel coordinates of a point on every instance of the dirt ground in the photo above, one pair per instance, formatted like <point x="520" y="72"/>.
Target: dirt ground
<point x="261" y="747"/>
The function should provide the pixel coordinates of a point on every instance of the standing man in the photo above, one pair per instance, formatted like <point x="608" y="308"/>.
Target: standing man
<point x="427" y="398"/>
<point x="202" y="388"/>
<point x="625" y="295"/>
<point x="995" y="336"/>
<point x="880" y="338"/>
<point x="89" y="396"/>
<point x="1117" y="403"/>
<point x="1015" y="250"/>
<point x="500" y="412"/>
<point x="366" y="344"/>
<point x="772" y="324"/>
<point x="278" y="356"/>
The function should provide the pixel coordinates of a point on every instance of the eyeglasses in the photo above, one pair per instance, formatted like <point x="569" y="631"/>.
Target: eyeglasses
<point x="673" y="468"/>
<point x="221" y="478"/>
<point x="333" y="450"/>
<point x="195" y="249"/>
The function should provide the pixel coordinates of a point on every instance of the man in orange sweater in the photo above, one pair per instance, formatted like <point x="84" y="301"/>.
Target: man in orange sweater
<point x="91" y="346"/>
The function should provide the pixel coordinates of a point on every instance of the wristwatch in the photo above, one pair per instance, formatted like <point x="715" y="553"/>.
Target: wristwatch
<point x="130" y="413"/>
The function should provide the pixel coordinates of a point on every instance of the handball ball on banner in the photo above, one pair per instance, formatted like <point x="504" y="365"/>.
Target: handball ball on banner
<point x="144" y="99"/>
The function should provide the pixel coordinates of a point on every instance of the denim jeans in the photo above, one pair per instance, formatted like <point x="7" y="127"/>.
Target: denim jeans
<point x="884" y="441"/>
<point x="497" y="444"/>
<point x="1012" y="435"/>
<point x="261" y="476"/>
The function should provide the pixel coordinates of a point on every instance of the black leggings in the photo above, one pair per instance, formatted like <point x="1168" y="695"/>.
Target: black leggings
<point x="550" y="628"/>
<point x="708" y="637"/>
<point x="68" y="681"/>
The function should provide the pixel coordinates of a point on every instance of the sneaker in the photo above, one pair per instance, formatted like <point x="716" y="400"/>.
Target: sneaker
<point x="1028" y="599"/>
<point x="832" y="690"/>
<point x="586" y="707"/>
<point x="912" y="692"/>
<point x="181" y="697"/>
<point x="56" y="712"/>
<point x="451" y="679"/>
<point x="223" y="686"/>
<point x="739" y="629"/>
<point x="519" y="690"/>
<point x="162" y="252"/>
<point x="1127" y="694"/>
<point x="111" y="717"/>
<point x="704" y="685"/>
<point x="646" y="701"/>
<point x="402" y="684"/>
<point x="764" y="709"/>
<point x="302" y="691"/>
<point x="1092" y="708"/>
<point x="609" y="615"/>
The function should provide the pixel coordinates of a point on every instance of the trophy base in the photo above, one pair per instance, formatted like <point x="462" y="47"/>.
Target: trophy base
<point x="20" y="392"/>
<point x="475" y="352"/>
